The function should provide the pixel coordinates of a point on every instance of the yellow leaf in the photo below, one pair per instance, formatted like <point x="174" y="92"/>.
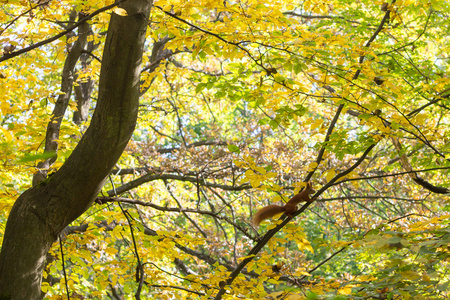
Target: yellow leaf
<point x="120" y="11"/>
<point x="261" y="170"/>
<point x="255" y="183"/>
<point x="410" y="275"/>
<point x="366" y="278"/>
<point x="280" y="249"/>
<point x="312" y="166"/>
<point x="271" y="175"/>
<point x="111" y="251"/>
<point x="295" y="297"/>
<point x="271" y="226"/>
<point x="249" y="173"/>
<point x="45" y="286"/>
<point x="275" y="295"/>
<point x="345" y="290"/>
<point x="330" y="174"/>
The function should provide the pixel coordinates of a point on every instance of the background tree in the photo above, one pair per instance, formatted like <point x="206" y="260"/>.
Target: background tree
<point x="240" y="103"/>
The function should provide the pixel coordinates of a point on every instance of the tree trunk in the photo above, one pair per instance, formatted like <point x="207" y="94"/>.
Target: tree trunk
<point x="40" y="213"/>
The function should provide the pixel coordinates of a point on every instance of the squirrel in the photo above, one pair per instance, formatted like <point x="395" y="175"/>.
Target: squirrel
<point x="289" y="208"/>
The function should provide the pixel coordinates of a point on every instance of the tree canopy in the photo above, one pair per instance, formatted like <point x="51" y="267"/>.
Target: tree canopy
<point x="241" y="103"/>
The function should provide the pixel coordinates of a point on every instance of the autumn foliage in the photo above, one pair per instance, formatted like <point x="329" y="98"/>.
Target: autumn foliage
<point x="241" y="103"/>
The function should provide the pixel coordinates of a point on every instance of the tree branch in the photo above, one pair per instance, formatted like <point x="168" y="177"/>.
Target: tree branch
<point x="151" y="177"/>
<point x="265" y="239"/>
<point x="54" y="38"/>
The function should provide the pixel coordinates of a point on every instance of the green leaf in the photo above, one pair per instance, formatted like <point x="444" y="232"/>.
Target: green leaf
<point x="200" y="87"/>
<point x="234" y="148"/>
<point x="273" y="124"/>
<point x="34" y="157"/>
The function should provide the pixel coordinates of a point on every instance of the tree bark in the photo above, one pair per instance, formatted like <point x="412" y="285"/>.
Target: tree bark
<point x="40" y="213"/>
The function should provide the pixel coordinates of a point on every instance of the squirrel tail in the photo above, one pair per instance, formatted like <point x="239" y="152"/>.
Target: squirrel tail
<point x="267" y="212"/>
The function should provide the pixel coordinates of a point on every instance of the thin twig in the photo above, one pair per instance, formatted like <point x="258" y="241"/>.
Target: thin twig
<point x="54" y="38"/>
<point x="327" y="138"/>
<point x="346" y="246"/>
<point x="265" y="239"/>
<point x="22" y="14"/>
<point x="137" y="295"/>
<point x="64" y="267"/>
